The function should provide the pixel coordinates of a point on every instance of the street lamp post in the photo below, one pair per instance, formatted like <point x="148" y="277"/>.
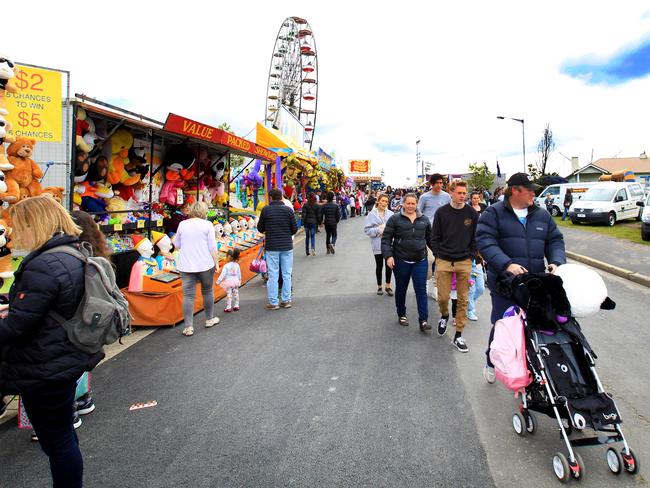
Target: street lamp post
<point x="523" y="135"/>
<point x="417" y="159"/>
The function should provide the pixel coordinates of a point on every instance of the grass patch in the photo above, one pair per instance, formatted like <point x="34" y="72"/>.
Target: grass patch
<point x="628" y="230"/>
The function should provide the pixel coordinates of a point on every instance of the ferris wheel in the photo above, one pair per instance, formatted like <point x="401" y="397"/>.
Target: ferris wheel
<point x="293" y="76"/>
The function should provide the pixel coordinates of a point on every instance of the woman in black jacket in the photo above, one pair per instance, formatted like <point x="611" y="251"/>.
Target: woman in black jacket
<point x="40" y="363"/>
<point x="404" y="246"/>
<point x="311" y="219"/>
<point x="331" y="217"/>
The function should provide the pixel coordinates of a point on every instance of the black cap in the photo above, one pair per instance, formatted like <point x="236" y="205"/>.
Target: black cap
<point x="521" y="179"/>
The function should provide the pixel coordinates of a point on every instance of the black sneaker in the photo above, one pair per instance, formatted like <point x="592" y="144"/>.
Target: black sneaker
<point x="76" y="421"/>
<point x="460" y="344"/>
<point x="442" y="326"/>
<point x="424" y="326"/>
<point x="85" y="405"/>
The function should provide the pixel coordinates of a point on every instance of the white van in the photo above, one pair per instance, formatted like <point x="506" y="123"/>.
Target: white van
<point x="559" y="191"/>
<point x="608" y="202"/>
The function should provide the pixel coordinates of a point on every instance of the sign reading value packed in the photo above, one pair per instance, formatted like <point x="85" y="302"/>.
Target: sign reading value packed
<point x="191" y="128"/>
<point x="359" y="166"/>
<point x="35" y="110"/>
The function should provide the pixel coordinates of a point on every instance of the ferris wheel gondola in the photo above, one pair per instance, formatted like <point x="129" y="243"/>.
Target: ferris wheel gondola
<point x="293" y="76"/>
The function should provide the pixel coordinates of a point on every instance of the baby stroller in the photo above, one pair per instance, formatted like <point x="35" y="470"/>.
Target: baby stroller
<point x="564" y="383"/>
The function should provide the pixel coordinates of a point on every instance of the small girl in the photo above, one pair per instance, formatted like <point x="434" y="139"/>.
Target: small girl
<point x="230" y="280"/>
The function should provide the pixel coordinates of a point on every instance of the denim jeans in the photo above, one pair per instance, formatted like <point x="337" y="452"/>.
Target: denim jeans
<point x="50" y="411"/>
<point x="477" y="289"/>
<point x="565" y="212"/>
<point x="206" y="278"/>
<point x="330" y="234"/>
<point x="276" y="260"/>
<point x="417" y="272"/>
<point x="310" y="235"/>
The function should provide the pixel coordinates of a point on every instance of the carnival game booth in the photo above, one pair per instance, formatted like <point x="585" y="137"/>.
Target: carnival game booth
<point x="134" y="174"/>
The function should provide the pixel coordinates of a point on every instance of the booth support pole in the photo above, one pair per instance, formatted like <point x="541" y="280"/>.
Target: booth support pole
<point x="73" y="155"/>
<point x="278" y="172"/>
<point x="151" y="149"/>
<point x="267" y="180"/>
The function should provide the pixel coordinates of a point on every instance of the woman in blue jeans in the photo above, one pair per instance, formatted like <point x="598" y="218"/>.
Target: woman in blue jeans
<point x="312" y="217"/>
<point x="404" y="246"/>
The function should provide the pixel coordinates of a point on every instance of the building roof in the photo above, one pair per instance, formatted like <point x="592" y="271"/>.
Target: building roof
<point x="589" y="166"/>
<point x="636" y="164"/>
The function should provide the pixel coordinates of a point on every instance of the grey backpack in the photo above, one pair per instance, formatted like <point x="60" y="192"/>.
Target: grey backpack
<point x="102" y="316"/>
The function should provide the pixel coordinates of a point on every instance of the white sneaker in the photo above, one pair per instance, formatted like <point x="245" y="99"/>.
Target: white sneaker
<point x="212" y="322"/>
<point x="472" y="316"/>
<point x="488" y="374"/>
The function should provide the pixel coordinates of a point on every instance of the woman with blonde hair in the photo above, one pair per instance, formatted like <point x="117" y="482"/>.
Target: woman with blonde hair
<point x="41" y="364"/>
<point x="197" y="262"/>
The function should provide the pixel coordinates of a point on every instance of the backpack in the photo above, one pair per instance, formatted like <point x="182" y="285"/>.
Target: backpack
<point x="508" y="352"/>
<point x="102" y="316"/>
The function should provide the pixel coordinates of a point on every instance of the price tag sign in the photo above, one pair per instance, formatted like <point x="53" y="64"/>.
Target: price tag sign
<point x="117" y="227"/>
<point x="159" y="222"/>
<point x="36" y="110"/>
<point x="140" y="224"/>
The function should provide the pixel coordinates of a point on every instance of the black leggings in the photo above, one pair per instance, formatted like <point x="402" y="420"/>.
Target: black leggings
<point x="379" y="262"/>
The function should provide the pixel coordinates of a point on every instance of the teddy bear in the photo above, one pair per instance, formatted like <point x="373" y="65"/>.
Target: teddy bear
<point x="121" y="142"/>
<point x="5" y="137"/>
<point x="98" y="169"/>
<point x="6" y="270"/>
<point x="82" y="128"/>
<point x="55" y="192"/>
<point x="22" y="181"/>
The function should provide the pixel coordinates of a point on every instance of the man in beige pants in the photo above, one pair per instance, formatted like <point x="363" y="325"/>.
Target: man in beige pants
<point x="454" y="246"/>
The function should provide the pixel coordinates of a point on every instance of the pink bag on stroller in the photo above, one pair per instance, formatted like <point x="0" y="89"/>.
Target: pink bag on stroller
<point x="508" y="352"/>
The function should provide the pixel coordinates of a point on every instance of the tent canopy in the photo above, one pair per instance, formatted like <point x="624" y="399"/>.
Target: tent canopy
<point x="281" y="144"/>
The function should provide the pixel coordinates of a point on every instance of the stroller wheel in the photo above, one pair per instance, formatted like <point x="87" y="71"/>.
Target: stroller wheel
<point x="578" y="469"/>
<point x="561" y="467"/>
<point x="630" y="462"/>
<point x="614" y="461"/>
<point x="519" y="424"/>
<point x="531" y="423"/>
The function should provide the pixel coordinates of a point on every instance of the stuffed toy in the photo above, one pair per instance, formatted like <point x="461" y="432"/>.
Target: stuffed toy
<point x="8" y="71"/>
<point x="82" y="128"/>
<point x="585" y="290"/>
<point x="220" y="169"/>
<point x="6" y="271"/>
<point x="81" y="167"/>
<point x="55" y="192"/>
<point x="91" y="138"/>
<point x="22" y="181"/>
<point x="169" y="191"/>
<point x="98" y="169"/>
<point x="5" y="137"/>
<point x="178" y="157"/>
<point x="121" y="142"/>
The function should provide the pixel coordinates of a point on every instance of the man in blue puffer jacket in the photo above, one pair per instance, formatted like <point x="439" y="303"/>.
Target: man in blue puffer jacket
<point x="516" y="236"/>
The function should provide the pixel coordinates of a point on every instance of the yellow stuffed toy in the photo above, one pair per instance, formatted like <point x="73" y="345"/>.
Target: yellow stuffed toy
<point x="22" y="181"/>
<point x="121" y="142"/>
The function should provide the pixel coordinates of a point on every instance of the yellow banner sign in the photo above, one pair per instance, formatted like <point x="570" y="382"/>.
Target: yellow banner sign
<point x="35" y="111"/>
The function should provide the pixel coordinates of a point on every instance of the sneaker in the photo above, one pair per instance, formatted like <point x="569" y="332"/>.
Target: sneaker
<point x="472" y="316"/>
<point x="424" y="326"/>
<point x="389" y="292"/>
<point x="285" y="304"/>
<point x="76" y="420"/>
<point x="313" y="252"/>
<point x="235" y="309"/>
<point x="34" y="437"/>
<point x="442" y="326"/>
<point x="271" y="306"/>
<point x="460" y="344"/>
<point x="85" y="405"/>
<point x="332" y="249"/>
<point x="328" y="250"/>
<point x="212" y="322"/>
<point x="227" y="310"/>
<point x="488" y="374"/>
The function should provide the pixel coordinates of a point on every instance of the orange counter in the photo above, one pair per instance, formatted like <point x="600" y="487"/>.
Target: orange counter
<point x="162" y="303"/>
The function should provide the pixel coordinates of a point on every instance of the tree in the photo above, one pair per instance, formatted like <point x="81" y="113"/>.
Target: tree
<point x="236" y="161"/>
<point x="481" y="176"/>
<point x="545" y="147"/>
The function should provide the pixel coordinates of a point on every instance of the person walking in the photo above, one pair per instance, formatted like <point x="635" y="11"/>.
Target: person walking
<point x="230" y="281"/>
<point x="516" y="236"/>
<point x="404" y="246"/>
<point x="454" y="246"/>
<point x="428" y="205"/>
<point x="477" y="286"/>
<point x="343" y="201"/>
<point x="311" y="219"/>
<point x="353" y="204"/>
<point x="568" y="201"/>
<point x="40" y="363"/>
<point x="278" y="224"/>
<point x="374" y="228"/>
<point x="198" y="260"/>
<point x="370" y="202"/>
<point x="358" y="202"/>
<point x="331" y="218"/>
<point x="396" y="202"/>
<point x="548" y="202"/>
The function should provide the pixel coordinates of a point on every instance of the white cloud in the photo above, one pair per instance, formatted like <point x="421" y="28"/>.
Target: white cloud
<point x="390" y="73"/>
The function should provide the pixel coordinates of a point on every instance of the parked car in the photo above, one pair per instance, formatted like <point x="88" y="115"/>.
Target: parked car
<point x="558" y="191"/>
<point x="645" y="218"/>
<point x="608" y="202"/>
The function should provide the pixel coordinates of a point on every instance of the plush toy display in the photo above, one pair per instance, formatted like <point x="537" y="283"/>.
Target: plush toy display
<point x="81" y="167"/>
<point x="585" y="290"/>
<point x="8" y="71"/>
<point x="98" y="169"/>
<point x="121" y="142"/>
<point x="4" y="137"/>
<point x="82" y="128"/>
<point x="6" y="271"/>
<point x="55" y="192"/>
<point x="22" y="180"/>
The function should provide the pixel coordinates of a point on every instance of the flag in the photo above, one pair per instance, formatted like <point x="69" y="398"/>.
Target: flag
<point x="486" y="168"/>
<point x="498" y="170"/>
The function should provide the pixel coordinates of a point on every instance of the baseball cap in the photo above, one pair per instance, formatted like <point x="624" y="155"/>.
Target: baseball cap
<point x="522" y="179"/>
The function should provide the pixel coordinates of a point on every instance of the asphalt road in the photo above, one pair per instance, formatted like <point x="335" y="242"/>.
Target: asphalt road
<point x="331" y="393"/>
